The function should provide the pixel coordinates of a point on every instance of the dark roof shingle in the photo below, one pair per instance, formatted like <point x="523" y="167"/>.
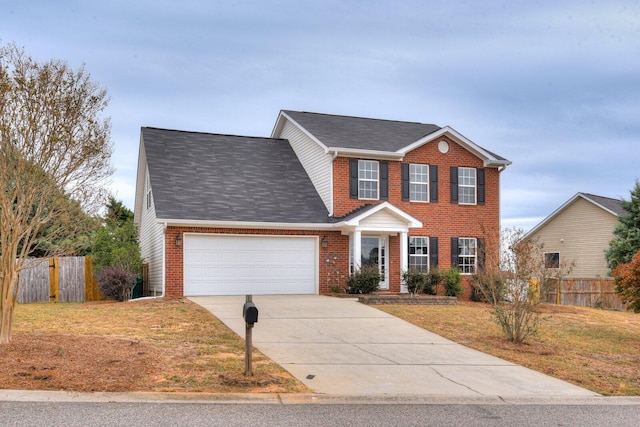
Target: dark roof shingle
<point x="361" y="133"/>
<point x="614" y="205"/>
<point x="213" y="177"/>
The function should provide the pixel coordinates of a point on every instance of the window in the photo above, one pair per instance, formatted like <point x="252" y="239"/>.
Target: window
<point x="467" y="186"/>
<point x="467" y="255"/>
<point x="552" y="260"/>
<point x="418" y="183"/>
<point x="367" y="179"/>
<point x="419" y="253"/>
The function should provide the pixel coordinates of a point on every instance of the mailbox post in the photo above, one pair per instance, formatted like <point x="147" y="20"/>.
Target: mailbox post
<point x="250" y="315"/>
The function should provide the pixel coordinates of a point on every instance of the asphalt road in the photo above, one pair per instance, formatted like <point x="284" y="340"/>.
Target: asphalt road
<point x="249" y="414"/>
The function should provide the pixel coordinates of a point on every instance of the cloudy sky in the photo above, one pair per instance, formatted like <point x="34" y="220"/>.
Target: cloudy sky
<point x="554" y="86"/>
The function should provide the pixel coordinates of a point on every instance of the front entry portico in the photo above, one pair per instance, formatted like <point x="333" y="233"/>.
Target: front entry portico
<point x="370" y="231"/>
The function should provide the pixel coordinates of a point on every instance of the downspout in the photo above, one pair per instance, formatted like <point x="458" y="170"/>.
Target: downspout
<point x="164" y="259"/>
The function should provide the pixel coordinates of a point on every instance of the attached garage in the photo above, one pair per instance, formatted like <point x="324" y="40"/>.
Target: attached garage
<point x="216" y="264"/>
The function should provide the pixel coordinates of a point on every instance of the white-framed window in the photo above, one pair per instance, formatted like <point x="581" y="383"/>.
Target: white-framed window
<point x="418" y="183"/>
<point x="552" y="260"/>
<point x="368" y="179"/>
<point x="419" y="253"/>
<point x="467" y="255"/>
<point x="467" y="186"/>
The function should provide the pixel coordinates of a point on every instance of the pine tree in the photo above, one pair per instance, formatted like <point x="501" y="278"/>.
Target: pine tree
<point x="627" y="233"/>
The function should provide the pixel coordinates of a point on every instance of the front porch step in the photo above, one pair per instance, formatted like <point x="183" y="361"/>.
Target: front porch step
<point x="406" y="299"/>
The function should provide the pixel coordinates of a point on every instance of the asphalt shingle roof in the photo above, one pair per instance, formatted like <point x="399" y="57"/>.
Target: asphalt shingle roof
<point x="203" y="176"/>
<point x="361" y="133"/>
<point x="614" y="205"/>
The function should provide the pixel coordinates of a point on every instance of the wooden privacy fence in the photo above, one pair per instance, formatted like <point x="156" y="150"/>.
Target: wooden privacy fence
<point x="598" y="293"/>
<point x="58" y="279"/>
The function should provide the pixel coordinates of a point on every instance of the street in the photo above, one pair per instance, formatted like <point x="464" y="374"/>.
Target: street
<point x="248" y="414"/>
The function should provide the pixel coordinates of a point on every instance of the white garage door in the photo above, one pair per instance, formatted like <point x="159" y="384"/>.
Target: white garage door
<point x="257" y="265"/>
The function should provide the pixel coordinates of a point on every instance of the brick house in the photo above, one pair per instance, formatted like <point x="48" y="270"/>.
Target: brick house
<point x="295" y="213"/>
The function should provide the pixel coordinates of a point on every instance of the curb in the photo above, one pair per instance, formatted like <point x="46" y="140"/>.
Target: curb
<point x="298" y="399"/>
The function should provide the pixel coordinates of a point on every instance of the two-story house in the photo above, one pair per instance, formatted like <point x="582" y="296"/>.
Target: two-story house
<point x="297" y="212"/>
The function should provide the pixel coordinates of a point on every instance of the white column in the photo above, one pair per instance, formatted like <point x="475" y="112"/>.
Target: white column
<point x="404" y="258"/>
<point x="357" y="249"/>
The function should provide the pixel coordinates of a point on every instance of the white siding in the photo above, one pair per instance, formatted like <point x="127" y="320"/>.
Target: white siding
<point x="586" y="230"/>
<point x="316" y="162"/>
<point x="383" y="219"/>
<point x="151" y="242"/>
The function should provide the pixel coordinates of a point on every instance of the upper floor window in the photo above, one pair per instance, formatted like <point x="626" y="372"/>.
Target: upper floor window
<point x="467" y="186"/>
<point x="552" y="260"/>
<point x="419" y="253"/>
<point x="368" y="179"/>
<point x="418" y="183"/>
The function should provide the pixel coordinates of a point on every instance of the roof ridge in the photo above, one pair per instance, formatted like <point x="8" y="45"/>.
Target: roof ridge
<point x="212" y="133"/>
<point x="360" y="117"/>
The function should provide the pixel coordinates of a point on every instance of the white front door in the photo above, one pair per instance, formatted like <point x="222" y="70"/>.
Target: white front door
<point x="374" y="253"/>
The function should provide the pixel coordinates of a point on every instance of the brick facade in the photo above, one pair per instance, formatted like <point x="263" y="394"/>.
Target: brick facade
<point x="441" y="219"/>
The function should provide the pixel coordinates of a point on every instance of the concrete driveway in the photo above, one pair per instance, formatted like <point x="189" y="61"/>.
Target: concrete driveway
<point x="338" y="346"/>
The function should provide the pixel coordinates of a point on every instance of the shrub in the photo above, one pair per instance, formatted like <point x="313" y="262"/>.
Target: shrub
<point x="116" y="283"/>
<point x="415" y="279"/>
<point x="434" y="279"/>
<point x="452" y="280"/>
<point x="365" y="281"/>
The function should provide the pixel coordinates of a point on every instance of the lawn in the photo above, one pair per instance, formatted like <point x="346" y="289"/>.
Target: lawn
<point x="168" y="345"/>
<point x="173" y="345"/>
<point x="595" y="349"/>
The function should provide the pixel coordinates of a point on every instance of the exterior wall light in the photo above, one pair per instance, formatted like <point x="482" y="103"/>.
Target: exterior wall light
<point x="324" y="242"/>
<point x="179" y="240"/>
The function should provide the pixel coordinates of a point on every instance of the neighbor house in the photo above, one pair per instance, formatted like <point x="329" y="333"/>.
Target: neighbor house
<point x="298" y="212"/>
<point x="579" y="232"/>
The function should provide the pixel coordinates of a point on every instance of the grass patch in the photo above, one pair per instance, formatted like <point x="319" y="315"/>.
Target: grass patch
<point x="170" y="345"/>
<point x="595" y="349"/>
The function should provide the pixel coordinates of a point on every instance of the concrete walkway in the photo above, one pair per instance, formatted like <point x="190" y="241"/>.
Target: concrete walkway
<point x="338" y="346"/>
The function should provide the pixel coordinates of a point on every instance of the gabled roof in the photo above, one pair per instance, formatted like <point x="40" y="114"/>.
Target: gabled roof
<point x="353" y="136"/>
<point x="612" y="206"/>
<point x="211" y="177"/>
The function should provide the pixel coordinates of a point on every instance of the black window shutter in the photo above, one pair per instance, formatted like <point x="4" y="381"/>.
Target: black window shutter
<point x="384" y="180"/>
<point x="433" y="183"/>
<point x="405" y="182"/>
<point x="454" y="252"/>
<point x="454" y="184"/>
<point x="481" y="255"/>
<point x="353" y="178"/>
<point x="480" y="176"/>
<point x="433" y="252"/>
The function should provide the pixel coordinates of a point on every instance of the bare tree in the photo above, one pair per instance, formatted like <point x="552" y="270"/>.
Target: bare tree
<point x="514" y="281"/>
<point x="55" y="153"/>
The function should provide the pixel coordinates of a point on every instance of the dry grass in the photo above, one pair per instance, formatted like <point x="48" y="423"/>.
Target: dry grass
<point x="595" y="349"/>
<point x="168" y="345"/>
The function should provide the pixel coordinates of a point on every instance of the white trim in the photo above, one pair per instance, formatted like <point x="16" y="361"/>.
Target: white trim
<point x="488" y="158"/>
<point x="359" y="153"/>
<point x="404" y="259"/>
<point x="247" y="224"/>
<point x="411" y="221"/>
<point x="278" y="127"/>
